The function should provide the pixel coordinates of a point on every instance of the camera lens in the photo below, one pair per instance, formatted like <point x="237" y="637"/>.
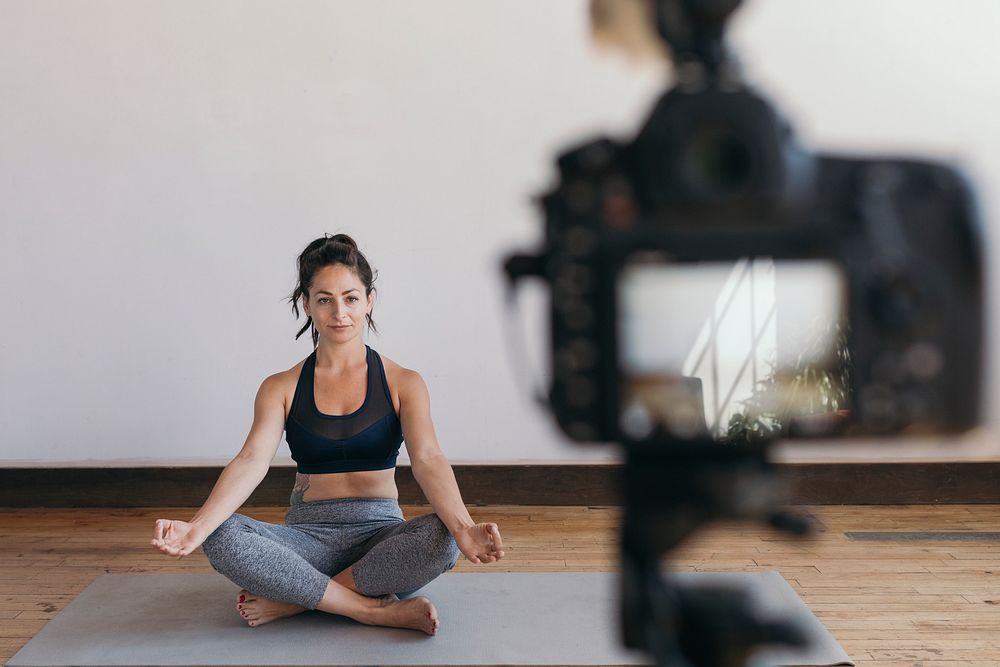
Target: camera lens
<point x="717" y="163"/>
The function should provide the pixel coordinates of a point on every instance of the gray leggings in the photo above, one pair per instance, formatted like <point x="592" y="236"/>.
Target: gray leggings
<point x="321" y="538"/>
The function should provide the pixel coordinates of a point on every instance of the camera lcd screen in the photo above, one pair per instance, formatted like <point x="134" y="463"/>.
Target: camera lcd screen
<point x="736" y="351"/>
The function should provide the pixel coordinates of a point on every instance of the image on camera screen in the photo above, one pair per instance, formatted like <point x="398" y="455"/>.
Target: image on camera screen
<point x="739" y="351"/>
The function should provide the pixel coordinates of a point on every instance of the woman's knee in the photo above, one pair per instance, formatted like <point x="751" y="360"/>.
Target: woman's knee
<point x="454" y="553"/>
<point x="449" y="547"/>
<point x="219" y="540"/>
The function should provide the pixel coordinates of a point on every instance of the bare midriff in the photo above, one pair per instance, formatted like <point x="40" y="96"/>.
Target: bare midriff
<point x="360" y="484"/>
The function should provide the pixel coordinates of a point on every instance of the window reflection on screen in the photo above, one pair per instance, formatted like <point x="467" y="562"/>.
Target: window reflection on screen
<point x="735" y="351"/>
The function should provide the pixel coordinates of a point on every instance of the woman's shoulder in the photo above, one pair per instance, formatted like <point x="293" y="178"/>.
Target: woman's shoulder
<point x="400" y="378"/>
<point x="394" y="370"/>
<point x="281" y="386"/>
<point x="288" y="377"/>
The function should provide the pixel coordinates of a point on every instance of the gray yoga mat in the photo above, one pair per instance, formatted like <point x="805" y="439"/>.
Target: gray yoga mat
<point x="522" y="618"/>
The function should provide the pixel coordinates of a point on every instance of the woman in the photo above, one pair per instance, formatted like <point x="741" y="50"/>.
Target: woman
<point x="344" y="547"/>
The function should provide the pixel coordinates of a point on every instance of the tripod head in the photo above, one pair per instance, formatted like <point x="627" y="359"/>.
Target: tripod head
<point x="694" y="31"/>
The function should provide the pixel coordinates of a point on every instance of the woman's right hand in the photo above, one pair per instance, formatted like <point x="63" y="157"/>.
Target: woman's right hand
<point x="177" y="538"/>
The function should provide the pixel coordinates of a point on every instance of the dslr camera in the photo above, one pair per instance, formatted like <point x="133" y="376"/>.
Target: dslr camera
<point x="715" y="286"/>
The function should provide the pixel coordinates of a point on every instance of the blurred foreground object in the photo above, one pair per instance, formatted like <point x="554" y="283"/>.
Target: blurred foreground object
<point x="715" y="286"/>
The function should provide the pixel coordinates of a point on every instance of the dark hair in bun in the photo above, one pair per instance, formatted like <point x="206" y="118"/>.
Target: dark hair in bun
<point x="328" y="251"/>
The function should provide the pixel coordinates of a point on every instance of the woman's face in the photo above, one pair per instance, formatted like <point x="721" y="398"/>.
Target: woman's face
<point x="337" y="303"/>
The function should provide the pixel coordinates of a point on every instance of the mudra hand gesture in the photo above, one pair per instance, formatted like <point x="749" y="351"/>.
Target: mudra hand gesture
<point x="480" y="543"/>
<point x="176" y="538"/>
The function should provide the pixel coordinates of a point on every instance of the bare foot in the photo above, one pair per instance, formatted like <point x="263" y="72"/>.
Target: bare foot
<point x="417" y="613"/>
<point x="258" y="610"/>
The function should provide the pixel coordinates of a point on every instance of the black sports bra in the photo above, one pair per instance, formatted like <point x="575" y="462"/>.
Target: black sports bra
<point x="367" y="439"/>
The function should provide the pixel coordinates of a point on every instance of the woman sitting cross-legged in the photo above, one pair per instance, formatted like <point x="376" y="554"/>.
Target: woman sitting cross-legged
<point x="344" y="547"/>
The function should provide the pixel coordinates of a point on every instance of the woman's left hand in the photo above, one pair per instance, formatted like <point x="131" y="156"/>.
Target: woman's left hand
<point x="480" y="543"/>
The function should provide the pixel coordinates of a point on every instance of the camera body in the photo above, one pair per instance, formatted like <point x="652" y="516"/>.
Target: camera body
<point x="713" y="176"/>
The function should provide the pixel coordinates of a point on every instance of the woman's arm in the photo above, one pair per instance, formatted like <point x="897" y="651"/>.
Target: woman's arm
<point x="429" y="465"/>
<point x="481" y="543"/>
<point x="238" y="480"/>
<point x="247" y="470"/>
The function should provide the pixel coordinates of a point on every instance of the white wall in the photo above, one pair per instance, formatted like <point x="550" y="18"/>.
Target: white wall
<point x="163" y="163"/>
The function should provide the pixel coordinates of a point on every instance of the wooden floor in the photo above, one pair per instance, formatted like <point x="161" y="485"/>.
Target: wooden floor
<point x="891" y="604"/>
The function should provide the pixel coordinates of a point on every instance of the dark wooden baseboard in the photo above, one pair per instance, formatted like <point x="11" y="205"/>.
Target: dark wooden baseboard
<point x="543" y="484"/>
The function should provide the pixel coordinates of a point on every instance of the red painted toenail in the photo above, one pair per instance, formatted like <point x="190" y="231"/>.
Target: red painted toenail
<point x="243" y="598"/>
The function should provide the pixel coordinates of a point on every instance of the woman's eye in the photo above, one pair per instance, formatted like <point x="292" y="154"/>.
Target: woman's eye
<point x="322" y="300"/>
<point x="352" y="299"/>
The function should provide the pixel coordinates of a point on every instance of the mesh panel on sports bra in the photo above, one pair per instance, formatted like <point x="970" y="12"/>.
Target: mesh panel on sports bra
<point x="339" y="427"/>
